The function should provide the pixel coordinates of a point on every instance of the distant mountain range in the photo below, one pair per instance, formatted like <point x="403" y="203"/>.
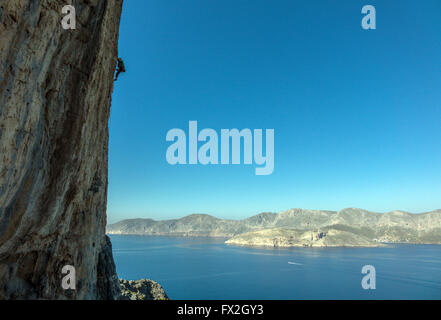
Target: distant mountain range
<point x="299" y="227"/>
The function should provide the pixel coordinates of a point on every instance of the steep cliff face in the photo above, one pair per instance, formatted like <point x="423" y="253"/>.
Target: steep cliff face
<point x="55" y="95"/>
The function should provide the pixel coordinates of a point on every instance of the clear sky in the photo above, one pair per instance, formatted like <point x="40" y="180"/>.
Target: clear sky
<point x="356" y="113"/>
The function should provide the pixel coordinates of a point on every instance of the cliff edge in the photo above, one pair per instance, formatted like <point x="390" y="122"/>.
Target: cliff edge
<point x="55" y="96"/>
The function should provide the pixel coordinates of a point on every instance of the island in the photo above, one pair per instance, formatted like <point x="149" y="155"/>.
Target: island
<point x="349" y="227"/>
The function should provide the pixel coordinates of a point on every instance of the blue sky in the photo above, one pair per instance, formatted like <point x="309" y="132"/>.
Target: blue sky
<point x="356" y="113"/>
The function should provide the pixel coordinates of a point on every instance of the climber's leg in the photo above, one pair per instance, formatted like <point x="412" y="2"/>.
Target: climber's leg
<point x="117" y="74"/>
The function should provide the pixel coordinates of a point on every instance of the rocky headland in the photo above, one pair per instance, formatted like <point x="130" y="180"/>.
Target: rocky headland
<point x="281" y="237"/>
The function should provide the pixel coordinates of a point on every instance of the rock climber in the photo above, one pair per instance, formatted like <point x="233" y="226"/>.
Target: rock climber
<point x="119" y="68"/>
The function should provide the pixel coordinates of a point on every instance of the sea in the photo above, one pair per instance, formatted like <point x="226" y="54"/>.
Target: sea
<point x="207" y="268"/>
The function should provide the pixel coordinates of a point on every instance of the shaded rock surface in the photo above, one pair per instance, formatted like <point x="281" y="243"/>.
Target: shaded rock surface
<point x="55" y="96"/>
<point x="143" y="289"/>
<point x="107" y="280"/>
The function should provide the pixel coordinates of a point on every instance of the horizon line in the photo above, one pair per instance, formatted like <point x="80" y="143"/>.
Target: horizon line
<point x="263" y="212"/>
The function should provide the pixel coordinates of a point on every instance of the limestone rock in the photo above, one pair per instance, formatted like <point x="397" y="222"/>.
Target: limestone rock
<point x="143" y="289"/>
<point x="284" y="237"/>
<point x="55" y="96"/>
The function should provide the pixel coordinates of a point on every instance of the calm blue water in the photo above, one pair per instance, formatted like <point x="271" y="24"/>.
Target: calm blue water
<point x="206" y="268"/>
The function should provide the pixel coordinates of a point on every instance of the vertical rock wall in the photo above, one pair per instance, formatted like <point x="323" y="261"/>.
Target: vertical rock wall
<point x="55" y="96"/>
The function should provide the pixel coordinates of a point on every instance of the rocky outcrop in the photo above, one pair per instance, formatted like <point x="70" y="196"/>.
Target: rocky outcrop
<point x="285" y="238"/>
<point x="55" y="95"/>
<point x="143" y="289"/>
